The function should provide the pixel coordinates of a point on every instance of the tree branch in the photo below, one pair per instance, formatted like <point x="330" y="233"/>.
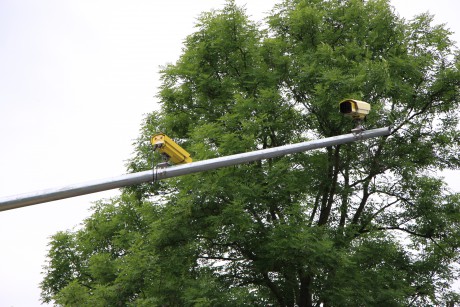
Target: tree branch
<point x="377" y="213"/>
<point x="360" y="209"/>
<point x="426" y="236"/>
<point x="329" y="189"/>
<point x="220" y="258"/>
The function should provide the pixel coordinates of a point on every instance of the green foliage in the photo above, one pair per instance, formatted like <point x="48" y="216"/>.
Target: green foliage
<point x="364" y="224"/>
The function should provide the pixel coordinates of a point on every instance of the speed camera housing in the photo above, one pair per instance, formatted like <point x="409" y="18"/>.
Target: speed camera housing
<point x="356" y="109"/>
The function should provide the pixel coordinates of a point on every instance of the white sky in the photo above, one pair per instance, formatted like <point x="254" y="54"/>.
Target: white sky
<point x="76" y="78"/>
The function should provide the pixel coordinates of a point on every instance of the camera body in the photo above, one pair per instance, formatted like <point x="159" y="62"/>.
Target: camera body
<point x="356" y="109"/>
<point x="169" y="149"/>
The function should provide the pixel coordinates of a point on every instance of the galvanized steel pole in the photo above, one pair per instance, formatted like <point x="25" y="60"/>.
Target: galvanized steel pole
<point x="22" y="200"/>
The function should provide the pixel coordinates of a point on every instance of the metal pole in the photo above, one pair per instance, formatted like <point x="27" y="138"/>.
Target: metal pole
<point x="27" y="199"/>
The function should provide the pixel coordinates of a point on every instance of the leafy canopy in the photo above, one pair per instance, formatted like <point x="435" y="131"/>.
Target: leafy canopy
<point x="363" y="224"/>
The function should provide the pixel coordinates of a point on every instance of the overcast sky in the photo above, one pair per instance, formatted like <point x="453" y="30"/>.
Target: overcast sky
<point x="76" y="78"/>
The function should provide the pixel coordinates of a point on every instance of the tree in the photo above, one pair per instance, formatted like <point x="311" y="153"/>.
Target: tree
<point x="367" y="223"/>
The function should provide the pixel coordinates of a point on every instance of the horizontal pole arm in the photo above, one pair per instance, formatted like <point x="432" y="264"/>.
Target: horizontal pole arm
<point x="158" y="173"/>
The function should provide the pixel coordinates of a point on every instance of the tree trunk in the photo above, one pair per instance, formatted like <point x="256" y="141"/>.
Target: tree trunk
<point x="305" y="295"/>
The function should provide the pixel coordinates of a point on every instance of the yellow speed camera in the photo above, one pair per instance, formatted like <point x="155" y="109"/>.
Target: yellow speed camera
<point x="170" y="149"/>
<point x="355" y="108"/>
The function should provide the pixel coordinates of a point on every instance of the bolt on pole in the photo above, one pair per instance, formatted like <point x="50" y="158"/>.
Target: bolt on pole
<point x="159" y="173"/>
